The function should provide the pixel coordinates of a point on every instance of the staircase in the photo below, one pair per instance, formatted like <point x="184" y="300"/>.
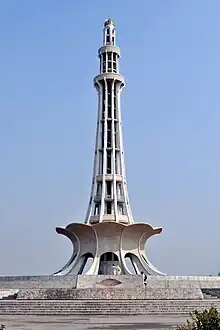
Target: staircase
<point x="103" y="307"/>
<point x="211" y="293"/>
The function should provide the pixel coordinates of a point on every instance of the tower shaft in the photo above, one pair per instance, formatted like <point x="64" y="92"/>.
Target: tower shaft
<point x="109" y="196"/>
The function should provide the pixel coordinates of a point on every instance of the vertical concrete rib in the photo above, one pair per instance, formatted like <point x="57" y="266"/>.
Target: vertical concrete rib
<point x="109" y="196"/>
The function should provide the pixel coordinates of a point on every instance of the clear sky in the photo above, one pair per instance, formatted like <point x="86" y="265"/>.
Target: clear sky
<point x="171" y="111"/>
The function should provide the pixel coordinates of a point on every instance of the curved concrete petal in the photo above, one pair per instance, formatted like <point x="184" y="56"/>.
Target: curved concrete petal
<point x="92" y="241"/>
<point x="132" y="234"/>
<point x="108" y="237"/>
<point x="142" y="252"/>
<point x="132" y="244"/>
<point x="69" y="265"/>
<point x="84" y="241"/>
<point x="86" y="236"/>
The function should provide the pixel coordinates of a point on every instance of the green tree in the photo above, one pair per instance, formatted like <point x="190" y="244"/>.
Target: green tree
<point x="205" y="320"/>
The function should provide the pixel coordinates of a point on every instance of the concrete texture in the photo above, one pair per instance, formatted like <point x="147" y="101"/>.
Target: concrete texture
<point x="119" y="281"/>
<point x="111" y="293"/>
<point x="85" y="281"/>
<point x="108" y="286"/>
<point x="37" y="282"/>
<point x="183" y="281"/>
<point x="92" y="322"/>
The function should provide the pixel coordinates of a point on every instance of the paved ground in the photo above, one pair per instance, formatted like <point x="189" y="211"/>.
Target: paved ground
<point x="91" y="322"/>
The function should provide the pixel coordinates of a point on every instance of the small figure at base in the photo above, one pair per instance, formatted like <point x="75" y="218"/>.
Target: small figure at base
<point x="144" y="278"/>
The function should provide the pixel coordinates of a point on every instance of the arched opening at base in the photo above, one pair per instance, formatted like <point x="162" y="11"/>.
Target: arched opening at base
<point x="131" y="263"/>
<point x="108" y="262"/>
<point x="87" y="260"/>
<point x="109" y="256"/>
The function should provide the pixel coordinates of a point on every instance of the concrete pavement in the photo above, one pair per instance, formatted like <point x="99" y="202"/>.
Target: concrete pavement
<point x="131" y="322"/>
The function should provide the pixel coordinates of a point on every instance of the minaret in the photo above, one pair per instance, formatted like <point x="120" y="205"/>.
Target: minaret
<point x="108" y="240"/>
<point x="109" y="196"/>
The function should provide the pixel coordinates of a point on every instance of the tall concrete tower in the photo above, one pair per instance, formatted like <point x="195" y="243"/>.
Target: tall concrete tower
<point x="109" y="195"/>
<point x="109" y="240"/>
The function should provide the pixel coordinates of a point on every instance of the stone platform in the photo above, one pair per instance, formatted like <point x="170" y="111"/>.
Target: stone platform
<point x="66" y="295"/>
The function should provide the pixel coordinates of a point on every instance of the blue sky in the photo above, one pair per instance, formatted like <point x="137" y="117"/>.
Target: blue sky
<point x="171" y="111"/>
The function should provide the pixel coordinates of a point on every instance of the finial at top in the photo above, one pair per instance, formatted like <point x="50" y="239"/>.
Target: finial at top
<point x="109" y="21"/>
<point x="109" y="33"/>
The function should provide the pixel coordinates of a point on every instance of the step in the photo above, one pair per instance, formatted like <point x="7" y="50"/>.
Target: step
<point x="110" y="307"/>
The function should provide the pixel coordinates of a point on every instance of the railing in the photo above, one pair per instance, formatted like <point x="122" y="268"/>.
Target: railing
<point x="97" y="198"/>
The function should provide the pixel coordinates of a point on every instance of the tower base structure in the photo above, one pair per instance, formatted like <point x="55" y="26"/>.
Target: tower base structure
<point x="108" y="248"/>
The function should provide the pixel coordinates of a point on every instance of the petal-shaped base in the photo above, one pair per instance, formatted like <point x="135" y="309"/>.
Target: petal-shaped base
<point x="108" y="248"/>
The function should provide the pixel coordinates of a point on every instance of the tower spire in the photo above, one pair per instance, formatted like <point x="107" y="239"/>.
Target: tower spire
<point x="109" y="33"/>
<point x="109" y="196"/>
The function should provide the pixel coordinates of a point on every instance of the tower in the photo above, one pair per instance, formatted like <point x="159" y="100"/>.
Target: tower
<point x="109" y="196"/>
<point x="109" y="239"/>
